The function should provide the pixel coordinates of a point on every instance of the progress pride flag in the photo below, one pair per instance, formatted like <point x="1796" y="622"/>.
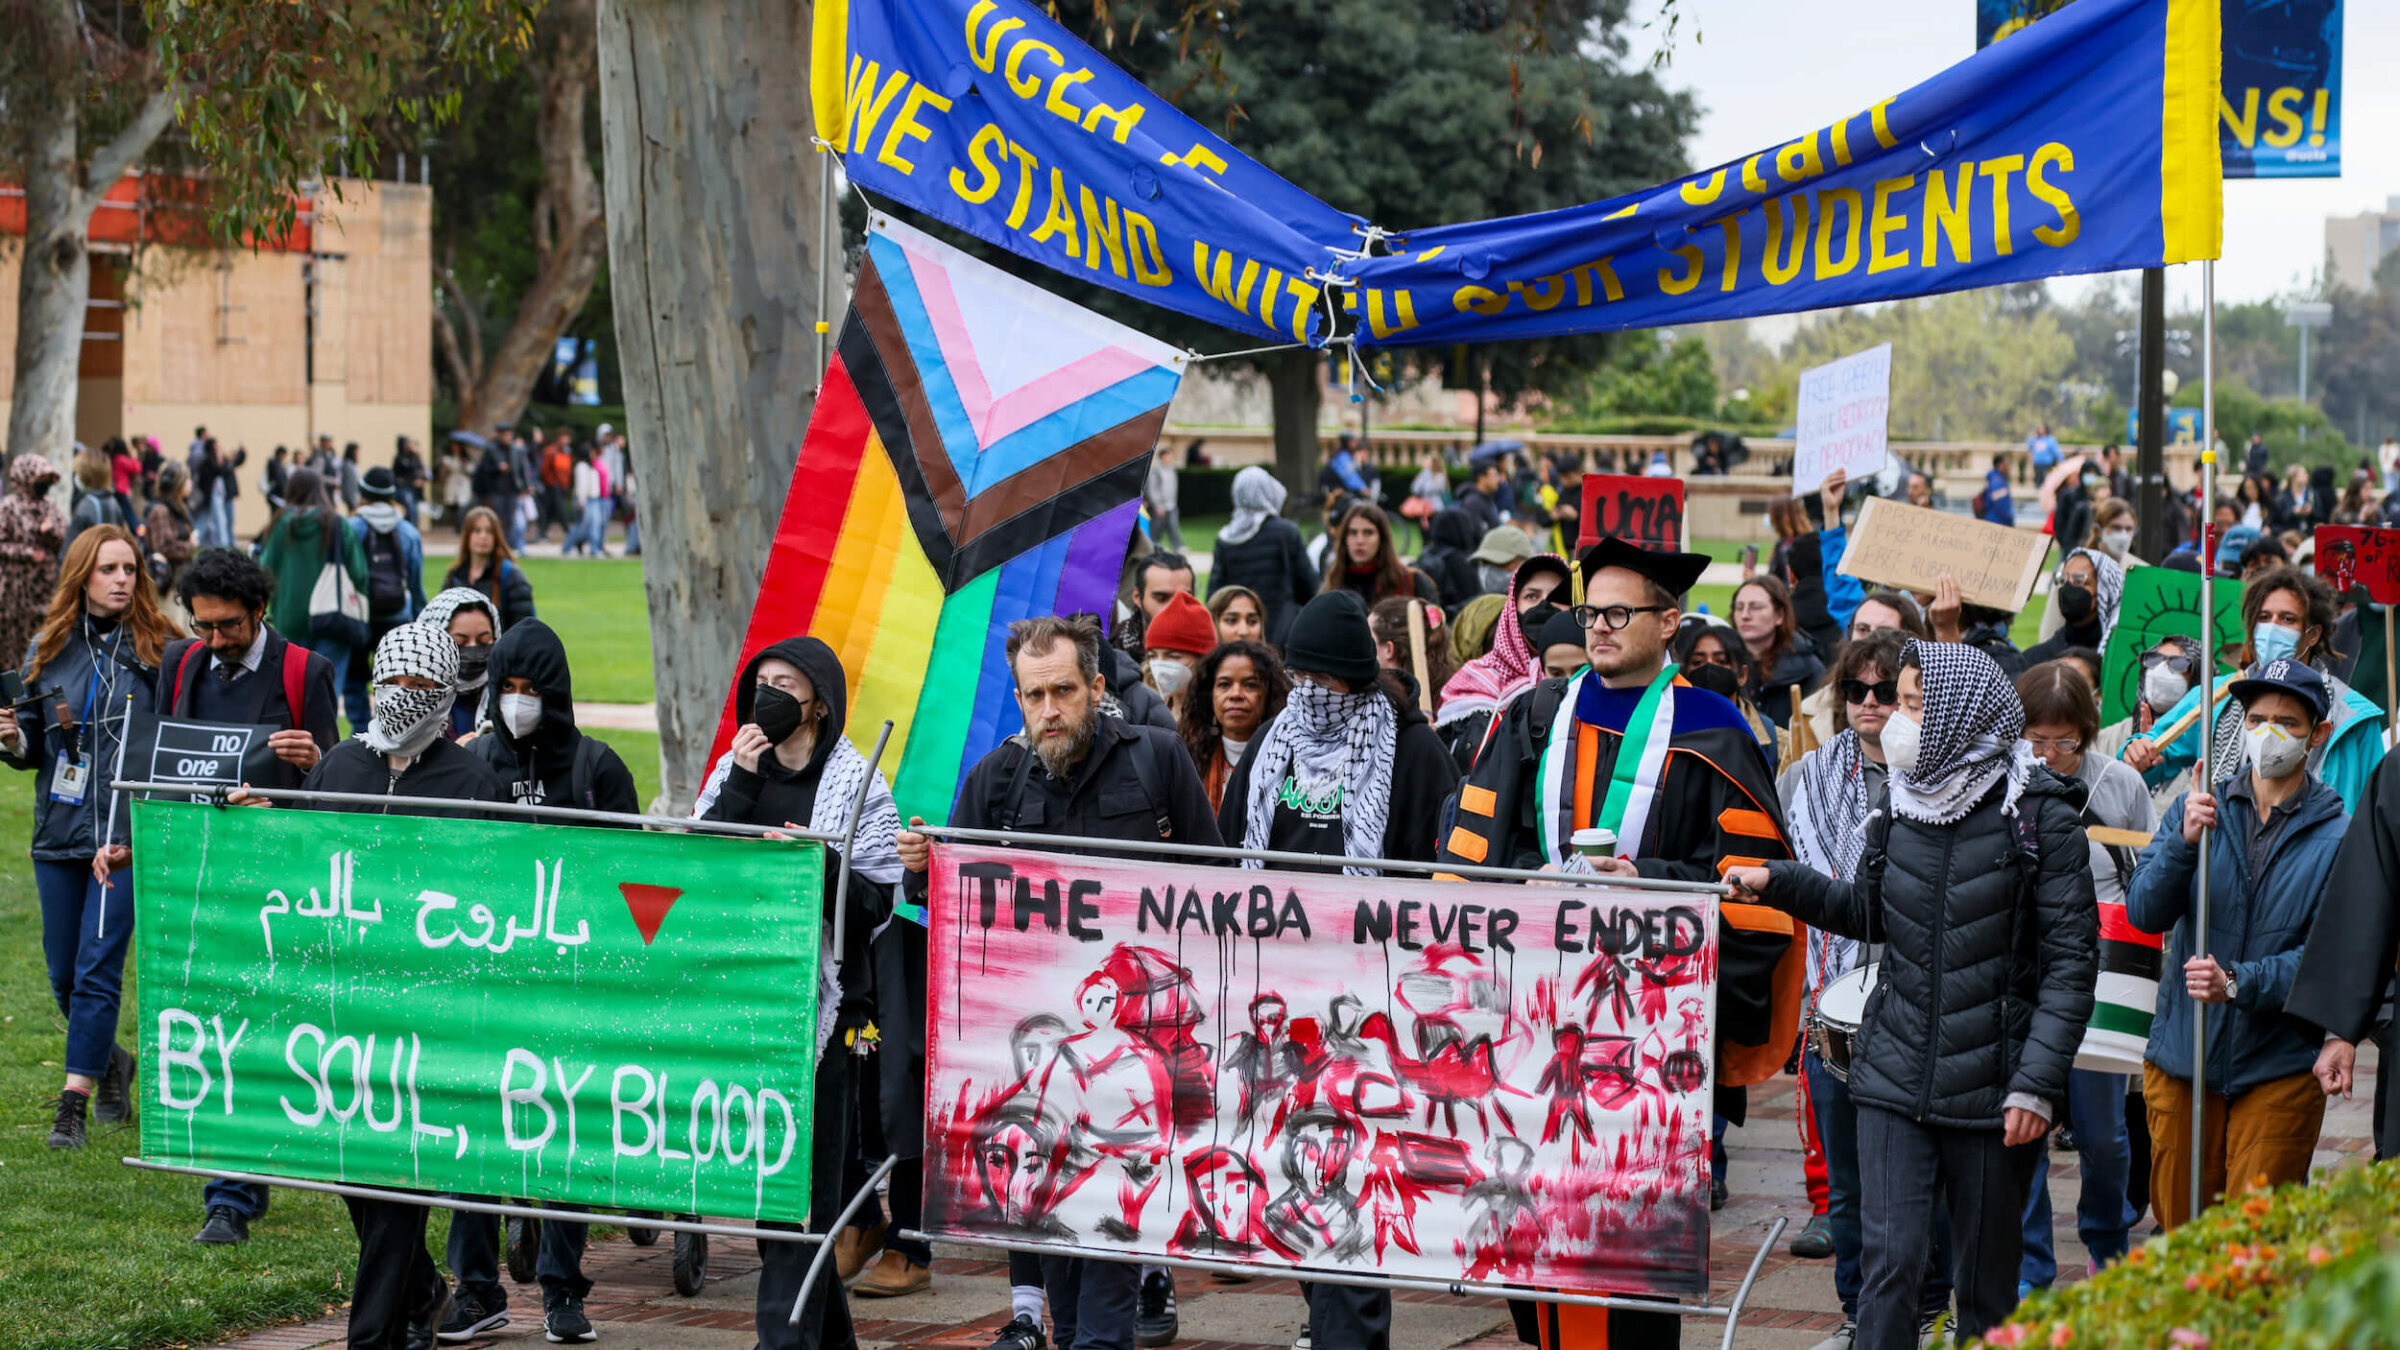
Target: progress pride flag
<point x="1443" y="1080"/>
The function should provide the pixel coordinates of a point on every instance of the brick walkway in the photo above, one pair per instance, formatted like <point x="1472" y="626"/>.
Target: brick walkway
<point x="635" y="1307"/>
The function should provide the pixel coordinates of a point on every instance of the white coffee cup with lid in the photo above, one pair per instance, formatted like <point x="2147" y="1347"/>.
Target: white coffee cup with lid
<point x="1594" y="843"/>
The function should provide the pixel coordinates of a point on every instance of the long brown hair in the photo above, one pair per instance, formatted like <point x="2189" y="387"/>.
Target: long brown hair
<point x="1786" y="624"/>
<point x="148" y="624"/>
<point x="1391" y="575"/>
<point x="1389" y="620"/>
<point x="466" y="531"/>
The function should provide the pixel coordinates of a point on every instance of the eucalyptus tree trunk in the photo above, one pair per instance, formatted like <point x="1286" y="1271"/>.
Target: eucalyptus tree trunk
<point x="712" y="213"/>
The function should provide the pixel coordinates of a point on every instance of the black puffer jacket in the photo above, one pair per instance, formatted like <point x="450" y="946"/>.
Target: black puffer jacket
<point x="1988" y="973"/>
<point x="1274" y="563"/>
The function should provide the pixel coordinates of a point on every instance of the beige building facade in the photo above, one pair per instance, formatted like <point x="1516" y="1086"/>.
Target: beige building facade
<point x="263" y="347"/>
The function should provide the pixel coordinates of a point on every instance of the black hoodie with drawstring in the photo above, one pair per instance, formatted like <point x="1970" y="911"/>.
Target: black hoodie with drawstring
<point x="540" y="769"/>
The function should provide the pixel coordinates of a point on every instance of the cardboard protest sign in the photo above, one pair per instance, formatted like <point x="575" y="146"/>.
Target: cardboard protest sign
<point x="1638" y="510"/>
<point x="2159" y="603"/>
<point x="1843" y="411"/>
<point x="590" y="1016"/>
<point x="1434" y="1079"/>
<point x="2360" y="555"/>
<point x="1896" y="544"/>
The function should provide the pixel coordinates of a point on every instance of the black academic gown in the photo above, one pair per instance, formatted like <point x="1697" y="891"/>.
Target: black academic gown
<point x="2346" y="967"/>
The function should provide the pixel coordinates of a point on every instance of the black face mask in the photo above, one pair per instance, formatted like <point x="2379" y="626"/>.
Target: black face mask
<point x="1530" y="623"/>
<point x="2076" y="603"/>
<point x="471" y="662"/>
<point x="777" y="713"/>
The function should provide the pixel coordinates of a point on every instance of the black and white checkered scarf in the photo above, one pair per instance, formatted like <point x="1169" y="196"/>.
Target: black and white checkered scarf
<point x="1323" y="740"/>
<point x="1969" y="737"/>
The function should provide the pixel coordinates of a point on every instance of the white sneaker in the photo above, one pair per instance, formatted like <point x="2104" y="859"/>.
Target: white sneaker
<point x="1306" y="1341"/>
<point x="1839" y="1340"/>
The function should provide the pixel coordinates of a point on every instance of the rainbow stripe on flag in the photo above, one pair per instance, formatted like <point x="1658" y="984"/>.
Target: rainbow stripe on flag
<point x="976" y="457"/>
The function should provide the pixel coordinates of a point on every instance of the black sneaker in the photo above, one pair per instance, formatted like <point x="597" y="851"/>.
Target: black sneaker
<point x="563" y="1322"/>
<point x="425" y="1331"/>
<point x="67" y="1127"/>
<point x="226" y="1227"/>
<point x="1718" y="1192"/>
<point x="1021" y="1333"/>
<point x="471" y="1316"/>
<point x="113" y="1103"/>
<point x="1155" y="1324"/>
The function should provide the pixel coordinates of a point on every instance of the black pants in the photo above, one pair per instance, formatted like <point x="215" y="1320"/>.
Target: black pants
<point x="907" y="1212"/>
<point x="1092" y="1303"/>
<point x="397" y="1281"/>
<point x="474" y="1256"/>
<point x="783" y="1266"/>
<point x="1346" y="1317"/>
<point x="1904" y="1169"/>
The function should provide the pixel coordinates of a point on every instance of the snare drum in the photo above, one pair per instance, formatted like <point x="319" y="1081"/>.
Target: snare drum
<point x="1840" y="1010"/>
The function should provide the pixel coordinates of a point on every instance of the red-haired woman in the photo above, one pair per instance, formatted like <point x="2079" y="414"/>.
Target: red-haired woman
<point x="88" y="676"/>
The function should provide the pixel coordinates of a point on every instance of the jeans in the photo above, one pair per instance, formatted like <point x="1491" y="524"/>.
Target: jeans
<point x="354" y="701"/>
<point x="246" y="1198"/>
<point x="474" y="1256"/>
<point x="633" y="536"/>
<point x="825" y="1322"/>
<point x="1092" y="1303"/>
<point x="1905" y="1168"/>
<point x="2096" y="1112"/>
<point x="397" y="1281"/>
<point x="85" y="930"/>
<point x="591" y="528"/>
<point x="512" y="519"/>
<point x="1837" y="1133"/>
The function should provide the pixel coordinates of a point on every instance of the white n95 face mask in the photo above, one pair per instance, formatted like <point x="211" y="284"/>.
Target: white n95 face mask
<point x="2274" y="752"/>
<point x="520" y="713"/>
<point x="1901" y="733"/>
<point x="1169" y="676"/>
<point x="2163" y="689"/>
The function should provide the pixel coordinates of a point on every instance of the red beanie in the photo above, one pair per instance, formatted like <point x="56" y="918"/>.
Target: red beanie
<point x="1183" y="626"/>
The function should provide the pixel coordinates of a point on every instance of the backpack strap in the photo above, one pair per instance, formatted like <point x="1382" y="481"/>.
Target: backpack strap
<point x="1153" y="780"/>
<point x="295" y="682"/>
<point x="183" y="670"/>
<point x="1014" y="803"/>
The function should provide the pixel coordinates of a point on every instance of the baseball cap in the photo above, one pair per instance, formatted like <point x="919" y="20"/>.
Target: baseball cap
<point x="2283" y="675"/>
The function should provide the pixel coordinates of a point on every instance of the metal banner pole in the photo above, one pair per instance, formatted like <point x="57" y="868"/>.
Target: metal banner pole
<point x="2208" y="720"/>
<point x="841" y="884"/>
<point x="816" y="1264"/>
<point x="109" y="831"/>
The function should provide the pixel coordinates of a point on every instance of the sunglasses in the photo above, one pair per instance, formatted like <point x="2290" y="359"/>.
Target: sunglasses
<point x="1886" y="692"/>
<point x="2174" y="661"/>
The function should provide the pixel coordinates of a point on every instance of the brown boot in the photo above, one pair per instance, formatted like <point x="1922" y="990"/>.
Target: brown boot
<point x="893" y="1276"/>
<point x="853" y="1247"/>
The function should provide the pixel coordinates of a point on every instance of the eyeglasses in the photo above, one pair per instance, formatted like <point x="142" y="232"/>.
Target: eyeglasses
<point x="207" y="626"/>
<point x="1614" y="617"/>
<point x="1886" y="692"/>
<point x="2174" y="661"/>
<point x="2064" y="745"/>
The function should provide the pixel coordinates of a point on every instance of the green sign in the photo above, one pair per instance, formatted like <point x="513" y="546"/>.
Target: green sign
<point x="615" y="1018"/>
<point x="2159" y="603"/>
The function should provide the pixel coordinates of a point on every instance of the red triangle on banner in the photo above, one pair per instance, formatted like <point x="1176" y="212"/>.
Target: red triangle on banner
<point x="649" y="906"/>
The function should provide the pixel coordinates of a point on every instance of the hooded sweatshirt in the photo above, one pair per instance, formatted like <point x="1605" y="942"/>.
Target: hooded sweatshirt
<point x="539" y="768"/>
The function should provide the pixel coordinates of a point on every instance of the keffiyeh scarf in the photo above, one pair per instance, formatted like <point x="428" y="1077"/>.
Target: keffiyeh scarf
<point x="1487" y="683"/>
<point x="2108" y="588"/>
<point x="1969" y="736"/>
<point x="1829" y="831"/>
<point x="1325" y="741"/>
<point x="408" y="720"/>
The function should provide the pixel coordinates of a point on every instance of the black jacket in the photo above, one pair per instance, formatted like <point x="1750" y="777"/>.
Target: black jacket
<point x="505" y="586"/>
<point x="1423" y="776"/>
<point x="1274" y="563"/>
<point x="119" y="697"/>
<point x="258" y="699"/>
<point x="1103" y="798"/>
<point x="2058" y="644"/>
<point x="444" y="770"/>
<point x="2354" y="942"/>
<point x="1989" y="966"/>
<point x="1142" y="704"/>
<point x="1799" y="665"/>
<point x="557" y="765"/>
<point x="1449" y="538"/>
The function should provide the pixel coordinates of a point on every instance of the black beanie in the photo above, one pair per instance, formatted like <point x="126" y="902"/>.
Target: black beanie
<point x="1530" y="623"/>
<point x="1561" y="630"/>
<point x="1330" y="636"/>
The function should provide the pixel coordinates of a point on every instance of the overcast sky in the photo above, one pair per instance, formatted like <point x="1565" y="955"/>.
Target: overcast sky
<point x="1766" y="70"/>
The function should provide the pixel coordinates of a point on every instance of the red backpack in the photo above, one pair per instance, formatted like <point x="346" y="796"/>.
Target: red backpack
<point x="295" y="679"/>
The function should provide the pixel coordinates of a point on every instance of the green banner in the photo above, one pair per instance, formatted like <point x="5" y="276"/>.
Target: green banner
<point x="616" y="1018"/>
<point x="2159" y="603"/>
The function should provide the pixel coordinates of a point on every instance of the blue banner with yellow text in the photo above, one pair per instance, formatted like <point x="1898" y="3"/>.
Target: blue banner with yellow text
<point x="988" y="115"/>
<point x="2085" y="144"/>
<point x="2280" y="112"/>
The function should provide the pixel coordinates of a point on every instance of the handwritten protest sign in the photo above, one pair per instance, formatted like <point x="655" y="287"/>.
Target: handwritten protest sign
<point x="1844" y="407"/>
<point x="1638" y="510"/>
<point x="2360" y="555"/>
<point x="593" y="1016"/>
<point x="1895" y="544"/>
<point x="1435" y="1079"/>
<point x="2158" y="603"/>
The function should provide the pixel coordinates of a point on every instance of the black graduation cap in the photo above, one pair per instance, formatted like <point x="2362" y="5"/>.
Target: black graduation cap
<point x="1678" y="572"/>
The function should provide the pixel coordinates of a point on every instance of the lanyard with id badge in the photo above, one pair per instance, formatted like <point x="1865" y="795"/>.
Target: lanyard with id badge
<point x="71" y="777"/>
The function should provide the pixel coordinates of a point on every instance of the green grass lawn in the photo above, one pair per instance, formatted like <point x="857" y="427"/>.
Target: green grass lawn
<point x="598" y="607"/>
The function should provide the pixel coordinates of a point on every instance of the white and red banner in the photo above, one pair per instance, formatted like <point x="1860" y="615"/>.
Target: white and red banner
<point x="1443" y="1080"/>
